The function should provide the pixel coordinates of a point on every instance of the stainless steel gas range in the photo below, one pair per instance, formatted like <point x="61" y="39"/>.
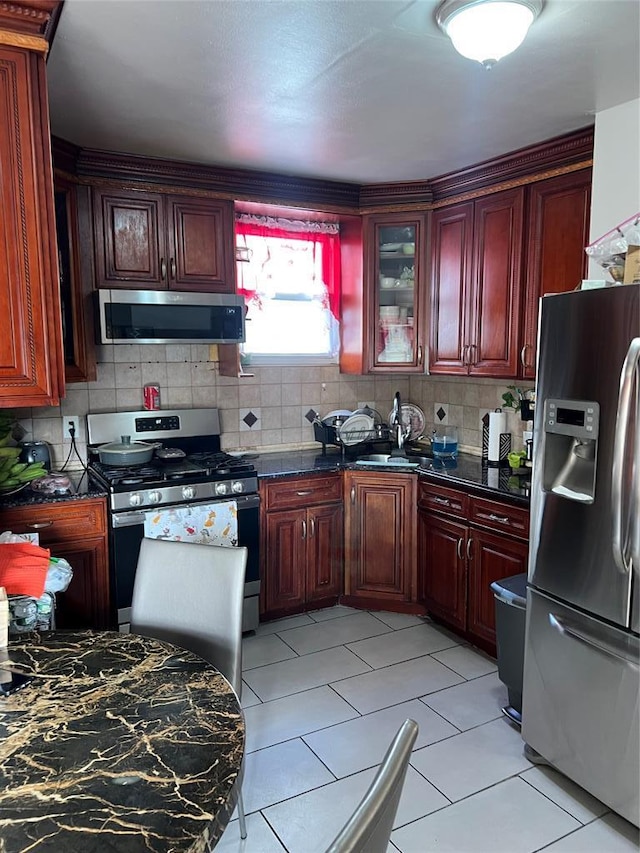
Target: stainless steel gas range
<point x="168" y="498"/>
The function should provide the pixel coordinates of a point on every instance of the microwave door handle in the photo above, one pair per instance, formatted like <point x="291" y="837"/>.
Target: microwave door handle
<point x="628" y="383"/>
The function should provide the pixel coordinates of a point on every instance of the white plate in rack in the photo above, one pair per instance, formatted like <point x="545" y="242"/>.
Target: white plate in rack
<point x="412" y="416"/>
<point x="355" y="429"/>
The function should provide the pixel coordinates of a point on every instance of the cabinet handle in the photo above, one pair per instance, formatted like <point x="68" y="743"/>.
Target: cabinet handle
<point x="313" y="528"/>
<point x="502" y="518"/>
<point x="523" y="355"/>
<point x="304" y="529"/>
<point x="353" y="495"/>
<point x="472" y="360"/>
<point x="40" y="525"/>
<point x="172" y="267"/>
<point x="469" y="555"/>
<point x="302" y="494"/>
<point x="443" y="501"/>
<point x="420" y="354"/>
<point x="464" y="354"/>
<point x="163" y="269"/>
<point x="460" y="557"/>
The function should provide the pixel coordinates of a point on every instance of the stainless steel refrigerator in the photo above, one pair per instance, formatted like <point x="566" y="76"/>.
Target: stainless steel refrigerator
<point x="581" y="671"/>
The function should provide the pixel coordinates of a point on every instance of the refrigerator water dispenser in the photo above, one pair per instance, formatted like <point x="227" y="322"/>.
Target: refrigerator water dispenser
<point x="571" y="438"/>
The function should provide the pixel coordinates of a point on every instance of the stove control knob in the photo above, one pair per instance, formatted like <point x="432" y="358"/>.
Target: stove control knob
<point x="221" y="488"/>
<point x="135" y="499"/>
<point x="189" y="493"/>
<point x="237" y="487"/>
<point x="155" y="497"/>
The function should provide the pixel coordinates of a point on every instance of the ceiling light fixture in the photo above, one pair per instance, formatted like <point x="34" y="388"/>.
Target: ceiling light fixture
<point x="487" y="30"/>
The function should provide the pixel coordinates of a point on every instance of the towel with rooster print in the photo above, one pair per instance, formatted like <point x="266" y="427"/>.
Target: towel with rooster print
<point x="204" y="524"/>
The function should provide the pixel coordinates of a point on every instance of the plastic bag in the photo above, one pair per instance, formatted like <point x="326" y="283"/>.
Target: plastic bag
<point x="610" y="250"/>
<point x="59" y="575"/>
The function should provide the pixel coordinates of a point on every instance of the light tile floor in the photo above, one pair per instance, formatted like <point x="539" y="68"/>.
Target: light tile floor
<point x="325" y="692"/>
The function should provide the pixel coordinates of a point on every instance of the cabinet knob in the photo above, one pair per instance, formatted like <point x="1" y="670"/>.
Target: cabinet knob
<point x="353" y="495"/>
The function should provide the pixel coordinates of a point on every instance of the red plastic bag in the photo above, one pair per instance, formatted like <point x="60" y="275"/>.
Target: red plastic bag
<point x="23" y="568"/>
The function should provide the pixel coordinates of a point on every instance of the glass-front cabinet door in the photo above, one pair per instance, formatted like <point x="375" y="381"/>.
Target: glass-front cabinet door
<point x="395" y="251"/>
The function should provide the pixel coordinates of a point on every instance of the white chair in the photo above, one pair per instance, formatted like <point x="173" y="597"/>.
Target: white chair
<point x="192" y="596"/>
<point x="369" y="827"/>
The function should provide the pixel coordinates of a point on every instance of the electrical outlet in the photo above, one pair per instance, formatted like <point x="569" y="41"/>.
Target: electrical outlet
<point x="70" y="421"/>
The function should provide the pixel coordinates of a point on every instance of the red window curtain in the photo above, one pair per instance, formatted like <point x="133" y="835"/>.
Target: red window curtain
<point x="315" y="232"/>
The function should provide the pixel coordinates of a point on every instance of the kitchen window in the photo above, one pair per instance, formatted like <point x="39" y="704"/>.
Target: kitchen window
<point x="289" y="273"/>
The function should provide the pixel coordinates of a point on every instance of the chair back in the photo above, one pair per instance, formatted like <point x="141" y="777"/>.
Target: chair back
<point x="369" y="828"/>
<point x="192" y="596"/>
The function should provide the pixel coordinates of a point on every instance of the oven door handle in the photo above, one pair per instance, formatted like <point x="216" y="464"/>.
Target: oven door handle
<point x="127" y="519"/>
<point x="247" y="501"/>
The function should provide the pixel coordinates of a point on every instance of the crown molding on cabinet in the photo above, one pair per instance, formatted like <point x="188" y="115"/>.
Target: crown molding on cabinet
<point x="560" y="155"/>
<point x="32" y="18"/>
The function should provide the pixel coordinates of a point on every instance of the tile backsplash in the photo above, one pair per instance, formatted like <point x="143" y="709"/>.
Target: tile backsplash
<point x="268" y="410"/>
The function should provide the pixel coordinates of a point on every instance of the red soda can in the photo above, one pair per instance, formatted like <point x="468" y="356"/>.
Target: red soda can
<point x="151" y="399"/>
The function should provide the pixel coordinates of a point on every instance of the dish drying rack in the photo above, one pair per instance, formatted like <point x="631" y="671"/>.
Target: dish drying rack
<point x="348" y="439"/>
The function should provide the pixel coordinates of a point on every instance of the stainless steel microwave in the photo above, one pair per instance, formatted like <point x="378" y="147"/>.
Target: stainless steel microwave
<point x="169" y="317"/>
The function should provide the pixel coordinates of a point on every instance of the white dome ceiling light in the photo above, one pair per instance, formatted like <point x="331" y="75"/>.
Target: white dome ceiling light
<point x="487" y="30"/>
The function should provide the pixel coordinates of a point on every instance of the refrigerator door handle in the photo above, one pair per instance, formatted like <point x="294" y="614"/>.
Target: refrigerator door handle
<point x="599" y="645"/>
<point x="627" y="387"/>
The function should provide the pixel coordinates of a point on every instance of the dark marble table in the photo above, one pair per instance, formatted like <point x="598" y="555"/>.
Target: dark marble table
<point x="121" y="743"/>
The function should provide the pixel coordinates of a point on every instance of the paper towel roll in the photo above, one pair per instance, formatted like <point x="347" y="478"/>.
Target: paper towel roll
<point x="497" y="425"/>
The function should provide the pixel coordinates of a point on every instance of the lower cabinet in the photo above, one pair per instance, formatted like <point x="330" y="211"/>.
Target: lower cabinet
<point x="464" y="544"/>
<point x="77" y="531"/>
<point x="380" y="551"/>
<point x="302" y="553"/>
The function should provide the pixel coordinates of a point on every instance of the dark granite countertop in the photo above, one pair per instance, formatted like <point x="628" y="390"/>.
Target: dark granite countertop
<point x="120" y="743"/>
<point x="467" y="470"/>
<point x="81" y="489"/>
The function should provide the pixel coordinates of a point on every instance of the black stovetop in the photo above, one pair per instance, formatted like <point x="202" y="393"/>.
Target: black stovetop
<point x="197" y="467"/>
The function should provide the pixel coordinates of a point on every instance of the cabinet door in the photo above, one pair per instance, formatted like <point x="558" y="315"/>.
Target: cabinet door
<point x="201" y="245"/>
<point x="558" y="231"/>
<point x="395" y="283"/>
<point x="451" y="248"/>
<point x="492" y="557"/>
<point x="31" y="362"/>
<point x="73" y="231"/>
<point x="283" y="585"/>
<point x="85" y="603"/>
<point x="494" y="309"/>
<point x="380" y="536"/>
<point x="442" y="574"/>
<point x="324" y="552"/>
<point x="129" y="231"/>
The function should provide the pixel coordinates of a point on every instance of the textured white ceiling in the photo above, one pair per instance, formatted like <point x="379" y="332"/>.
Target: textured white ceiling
<point x="354" y="90"/>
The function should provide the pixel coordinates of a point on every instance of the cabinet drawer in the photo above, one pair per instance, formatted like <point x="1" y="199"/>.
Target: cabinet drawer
<point x="499" y="516"/>
<point x="301" y="492"/>
<point x="56" y="522"/>
<point x="442" y="499"/>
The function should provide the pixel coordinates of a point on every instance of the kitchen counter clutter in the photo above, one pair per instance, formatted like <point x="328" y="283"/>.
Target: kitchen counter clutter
<point x="80" y="488"/>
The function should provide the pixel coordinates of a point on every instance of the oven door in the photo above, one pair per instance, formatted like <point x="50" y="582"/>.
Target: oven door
<point x="127" y="532"/>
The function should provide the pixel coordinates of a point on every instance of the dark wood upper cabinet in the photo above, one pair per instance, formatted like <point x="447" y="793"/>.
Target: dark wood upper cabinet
<point x="151" y="240"/>
<point x="201" y="245"/>
<point x="476" y="280"/>
<point x="558" y="213"/>
<point x="31" y="362"/>
<point x="73" y="232"/>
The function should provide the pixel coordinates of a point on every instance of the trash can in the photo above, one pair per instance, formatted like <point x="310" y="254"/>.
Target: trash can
<point x="511" y="599"/>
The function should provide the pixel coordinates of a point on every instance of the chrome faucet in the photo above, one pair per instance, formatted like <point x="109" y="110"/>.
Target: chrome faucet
<point x="401" y="432"/>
